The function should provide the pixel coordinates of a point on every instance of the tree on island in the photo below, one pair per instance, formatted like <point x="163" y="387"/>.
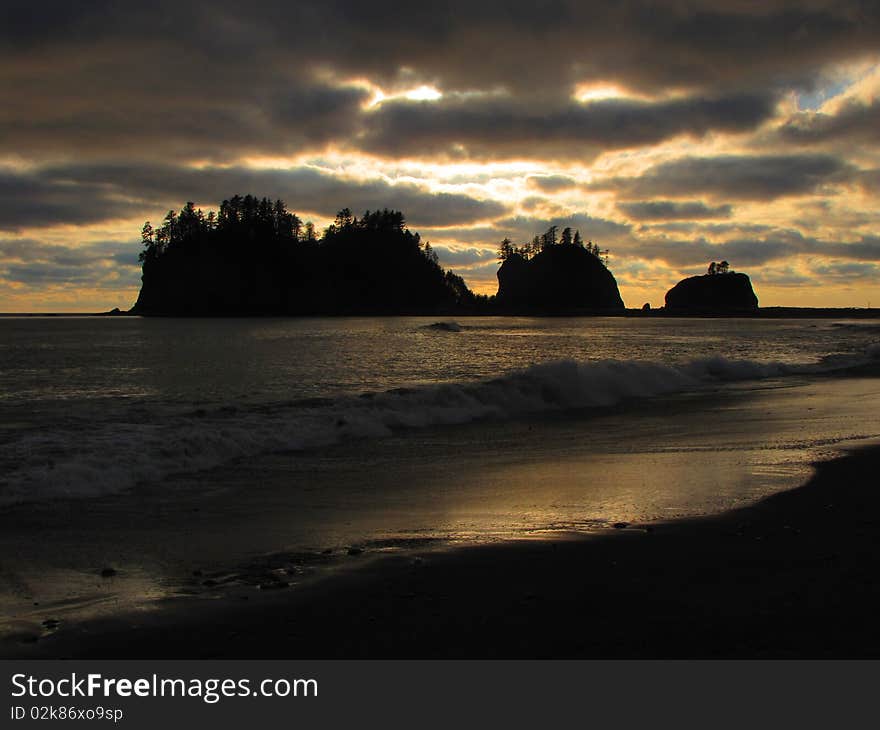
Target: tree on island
<point x="722" y="268"/>
<point x="547" y="240"/>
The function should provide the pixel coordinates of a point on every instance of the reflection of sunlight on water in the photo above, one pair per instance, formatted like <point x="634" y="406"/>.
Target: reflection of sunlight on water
<point x="591" y="492"/>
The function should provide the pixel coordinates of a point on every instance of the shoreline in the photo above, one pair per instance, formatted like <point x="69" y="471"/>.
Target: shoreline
<point x="792" y="576"/>
<point x="660" y="312"/>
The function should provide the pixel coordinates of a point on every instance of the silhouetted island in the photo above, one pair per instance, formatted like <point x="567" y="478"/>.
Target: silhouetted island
<point x="254" y="257"/>
<point x="551" y="276"/>
<point x="720" y="291"/>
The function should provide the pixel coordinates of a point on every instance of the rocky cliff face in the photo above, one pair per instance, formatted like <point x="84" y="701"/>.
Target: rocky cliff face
<point x="711" y="293"/>
<point x="560" y="278"/>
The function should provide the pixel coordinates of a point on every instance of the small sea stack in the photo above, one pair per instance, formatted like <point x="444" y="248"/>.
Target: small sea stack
<point x="563" y="277"/>
<point x="720" y="291"/>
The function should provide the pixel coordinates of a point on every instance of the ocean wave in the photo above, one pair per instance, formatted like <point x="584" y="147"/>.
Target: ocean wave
<point x="105" y="458"/>
<point x="450" y="326"/>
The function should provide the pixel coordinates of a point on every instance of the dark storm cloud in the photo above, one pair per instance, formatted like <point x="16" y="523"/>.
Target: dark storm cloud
<point x="740" y="253"/>
<point x="846" y="271"/>
<point x="511" y="43"/>
<point x="865" y="249"/>
<point x="706" y="229"/>
<point x="745" y="252"/>
<point x="31" y="199"/>
<point x="734" y="177"/>
<point x="183" y="125"/>
<point x="88" y="193"/>
<point x="30" y="250"/>
<point x="674" y="210"/>
<point x="197" y="81"/>
<point x="32" y="262"/>
<point x="854" y="122"/>
<point x="508" y="127"/>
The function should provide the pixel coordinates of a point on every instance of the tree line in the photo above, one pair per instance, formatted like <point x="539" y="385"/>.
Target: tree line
<point x="551" y="237"/>
<point x="246" y="216"/>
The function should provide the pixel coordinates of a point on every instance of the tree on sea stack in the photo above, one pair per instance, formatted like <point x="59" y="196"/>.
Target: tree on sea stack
<point x="722" y="268"/>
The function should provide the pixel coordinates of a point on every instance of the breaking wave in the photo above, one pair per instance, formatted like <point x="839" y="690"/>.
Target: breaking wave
<point x="109" y="457"/>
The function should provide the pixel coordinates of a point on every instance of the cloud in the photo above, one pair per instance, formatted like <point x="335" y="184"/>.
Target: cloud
<point x="190" y="125"/>
<point x="847" y="271"/>
<point x="522" y="228"/>
<point x="502" y="127"/>
<point x="464" y="256"/>
<point x="28" y="199"/>
<point x="755" y="252"/>
<point x="469" y="234"/>
<point x="855" y="122"/>
<point x="869" y="180"/>
<point x="78" y="193"/>
<point x="736" y="177"/>
<point x="551" y="183"/>
<point x="33" y="262"/>
<point x="515" y="44"/>
<point x="673" y="210"/>
<point x="483" y="275"/>
<point x="707" y="229"/>
<point x="171" y="80"/>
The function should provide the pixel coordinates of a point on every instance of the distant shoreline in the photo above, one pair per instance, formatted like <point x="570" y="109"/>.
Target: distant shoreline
<point x="763" y="313"/>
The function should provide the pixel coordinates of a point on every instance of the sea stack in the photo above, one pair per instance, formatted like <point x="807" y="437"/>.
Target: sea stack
<point x="718" y="292"/>
<point x="558" y="279"/>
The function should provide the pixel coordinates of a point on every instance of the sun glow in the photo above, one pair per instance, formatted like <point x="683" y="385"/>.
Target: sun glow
<point x="423" y="93"/>
<point x="379" y="95"/>
<point x="586" y="93"/>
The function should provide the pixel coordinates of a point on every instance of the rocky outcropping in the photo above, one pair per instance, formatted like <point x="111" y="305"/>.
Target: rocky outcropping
<point x="713" y="293"/>
<point x="558" y="279"/>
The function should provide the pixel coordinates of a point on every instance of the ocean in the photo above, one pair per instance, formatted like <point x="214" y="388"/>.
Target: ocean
<point x="172" y="449"/>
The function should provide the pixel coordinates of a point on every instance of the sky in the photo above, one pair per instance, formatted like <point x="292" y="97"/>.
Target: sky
<point x="670" y="132"/>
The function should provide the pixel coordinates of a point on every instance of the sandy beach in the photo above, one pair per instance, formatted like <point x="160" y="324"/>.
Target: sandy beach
<point x="791" y="576"/>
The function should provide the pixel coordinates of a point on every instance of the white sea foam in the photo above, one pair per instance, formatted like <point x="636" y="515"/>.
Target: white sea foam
<point x="104" y="458"/>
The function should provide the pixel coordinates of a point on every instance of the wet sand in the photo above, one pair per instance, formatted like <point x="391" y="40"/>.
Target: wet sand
<point x="792" y="576"/>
